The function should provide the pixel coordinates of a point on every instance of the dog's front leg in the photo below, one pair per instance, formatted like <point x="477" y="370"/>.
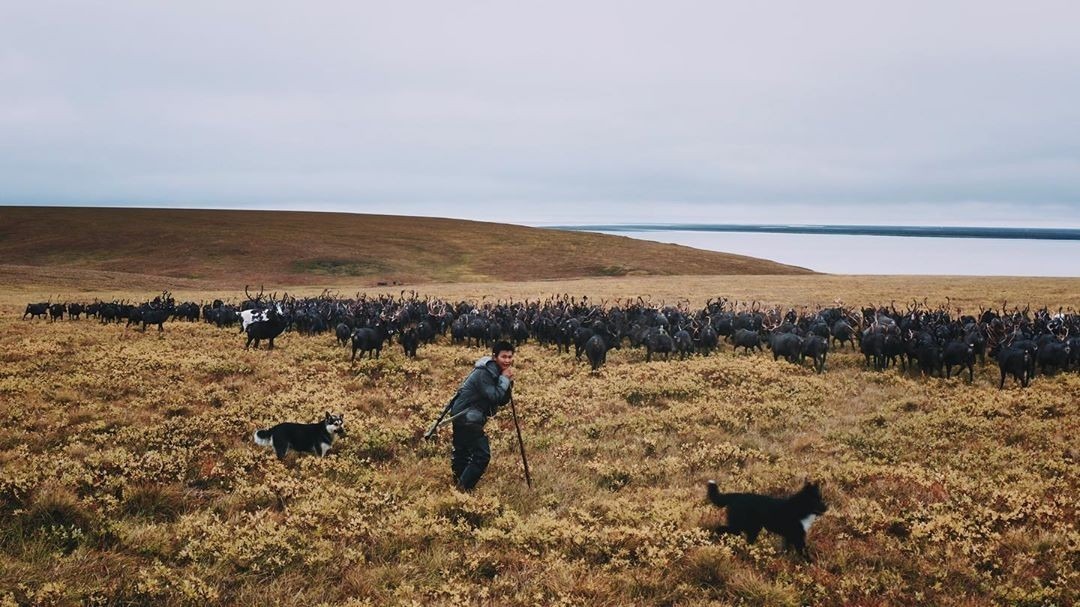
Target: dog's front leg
<point x="798" y="542"/>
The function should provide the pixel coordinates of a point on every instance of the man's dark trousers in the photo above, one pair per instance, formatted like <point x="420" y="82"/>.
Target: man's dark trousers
<point x="471" y="454"/>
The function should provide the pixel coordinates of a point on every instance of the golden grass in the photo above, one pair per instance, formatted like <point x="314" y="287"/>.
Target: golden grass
<point x="128" y="476"/>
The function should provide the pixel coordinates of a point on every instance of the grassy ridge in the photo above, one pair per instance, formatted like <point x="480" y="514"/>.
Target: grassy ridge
<point x="128" y="473"/>
<point x="95" y="247"/>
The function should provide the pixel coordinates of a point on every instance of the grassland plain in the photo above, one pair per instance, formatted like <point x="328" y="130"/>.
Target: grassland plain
<point x="129" y="476"/>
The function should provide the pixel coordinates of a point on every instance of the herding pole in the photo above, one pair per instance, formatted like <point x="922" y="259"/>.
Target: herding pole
<point x="521" y="443"/>
<point x="438" y="422"/>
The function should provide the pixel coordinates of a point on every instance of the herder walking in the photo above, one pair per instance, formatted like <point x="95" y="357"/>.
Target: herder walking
<point x="487" y="388"/>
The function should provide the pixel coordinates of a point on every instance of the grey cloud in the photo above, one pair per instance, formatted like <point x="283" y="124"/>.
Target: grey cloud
<point x="578" y="106"/>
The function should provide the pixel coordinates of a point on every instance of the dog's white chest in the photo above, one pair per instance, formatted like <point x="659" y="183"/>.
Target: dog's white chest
<point x="324" y="448"/>
<point x="807" y="521"/>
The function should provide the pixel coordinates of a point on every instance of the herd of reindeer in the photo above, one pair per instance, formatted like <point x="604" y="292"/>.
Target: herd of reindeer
<point x="919" y="339"/>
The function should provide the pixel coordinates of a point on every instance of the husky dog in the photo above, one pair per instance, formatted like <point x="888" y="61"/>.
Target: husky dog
<point x="790" y="516"/>
<point x="313" y="438"/>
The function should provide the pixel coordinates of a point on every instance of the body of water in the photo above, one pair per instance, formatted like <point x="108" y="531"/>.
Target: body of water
<point x="861" y="254"/>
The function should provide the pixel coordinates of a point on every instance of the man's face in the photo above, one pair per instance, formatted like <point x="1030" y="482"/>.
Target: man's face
<point x="505" y="359"/>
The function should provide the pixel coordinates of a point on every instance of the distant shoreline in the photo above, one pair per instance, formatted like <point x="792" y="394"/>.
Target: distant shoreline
<point x="846" y="230"/>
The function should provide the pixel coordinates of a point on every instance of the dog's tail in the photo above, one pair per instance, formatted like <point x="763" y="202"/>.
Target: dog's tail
<point x="720" y="499"/>
<point x="263" y="438"/>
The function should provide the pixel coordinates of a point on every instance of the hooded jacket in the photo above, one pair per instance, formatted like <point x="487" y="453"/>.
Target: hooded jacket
<point x="484" y="390"/>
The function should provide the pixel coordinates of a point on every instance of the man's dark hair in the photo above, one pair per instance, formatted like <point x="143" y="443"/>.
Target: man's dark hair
<point x="501" y="346"/>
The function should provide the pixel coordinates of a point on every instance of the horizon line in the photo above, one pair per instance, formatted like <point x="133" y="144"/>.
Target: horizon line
<point x="1012" y="233"/>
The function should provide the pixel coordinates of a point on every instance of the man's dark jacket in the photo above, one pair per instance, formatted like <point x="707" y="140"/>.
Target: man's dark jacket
<point x="484" y="391"/>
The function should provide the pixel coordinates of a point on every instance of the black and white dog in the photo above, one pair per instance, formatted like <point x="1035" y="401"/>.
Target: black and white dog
<point x="791" y="517"/>
<point x="311" y="438"/>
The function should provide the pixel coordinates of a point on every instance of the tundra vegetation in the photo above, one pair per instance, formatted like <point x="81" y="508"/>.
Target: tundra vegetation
<point x="128" y="475"/>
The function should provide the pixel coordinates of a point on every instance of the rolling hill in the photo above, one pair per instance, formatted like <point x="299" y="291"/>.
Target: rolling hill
<point x="207" y="247"/>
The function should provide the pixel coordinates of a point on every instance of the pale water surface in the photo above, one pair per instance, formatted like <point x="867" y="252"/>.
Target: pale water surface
<point x="844" y="254"/>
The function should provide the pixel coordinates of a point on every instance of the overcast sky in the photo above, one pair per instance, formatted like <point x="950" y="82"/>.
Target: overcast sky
<point x="556" y="112"/>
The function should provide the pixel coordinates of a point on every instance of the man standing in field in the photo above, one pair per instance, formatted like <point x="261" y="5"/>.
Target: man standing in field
<point x="487" y="388"/>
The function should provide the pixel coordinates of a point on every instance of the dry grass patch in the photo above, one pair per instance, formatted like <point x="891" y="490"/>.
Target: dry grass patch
<point x="133" y="452"/>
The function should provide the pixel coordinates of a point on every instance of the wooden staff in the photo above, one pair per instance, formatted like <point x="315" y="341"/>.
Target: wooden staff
<point x="521" y="443"/>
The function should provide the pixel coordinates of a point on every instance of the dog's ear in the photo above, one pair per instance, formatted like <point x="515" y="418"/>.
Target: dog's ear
<point x="328" y="416"/>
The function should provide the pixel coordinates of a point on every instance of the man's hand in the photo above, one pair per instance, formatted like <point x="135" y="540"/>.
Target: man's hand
<point x="509" y="373"/>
